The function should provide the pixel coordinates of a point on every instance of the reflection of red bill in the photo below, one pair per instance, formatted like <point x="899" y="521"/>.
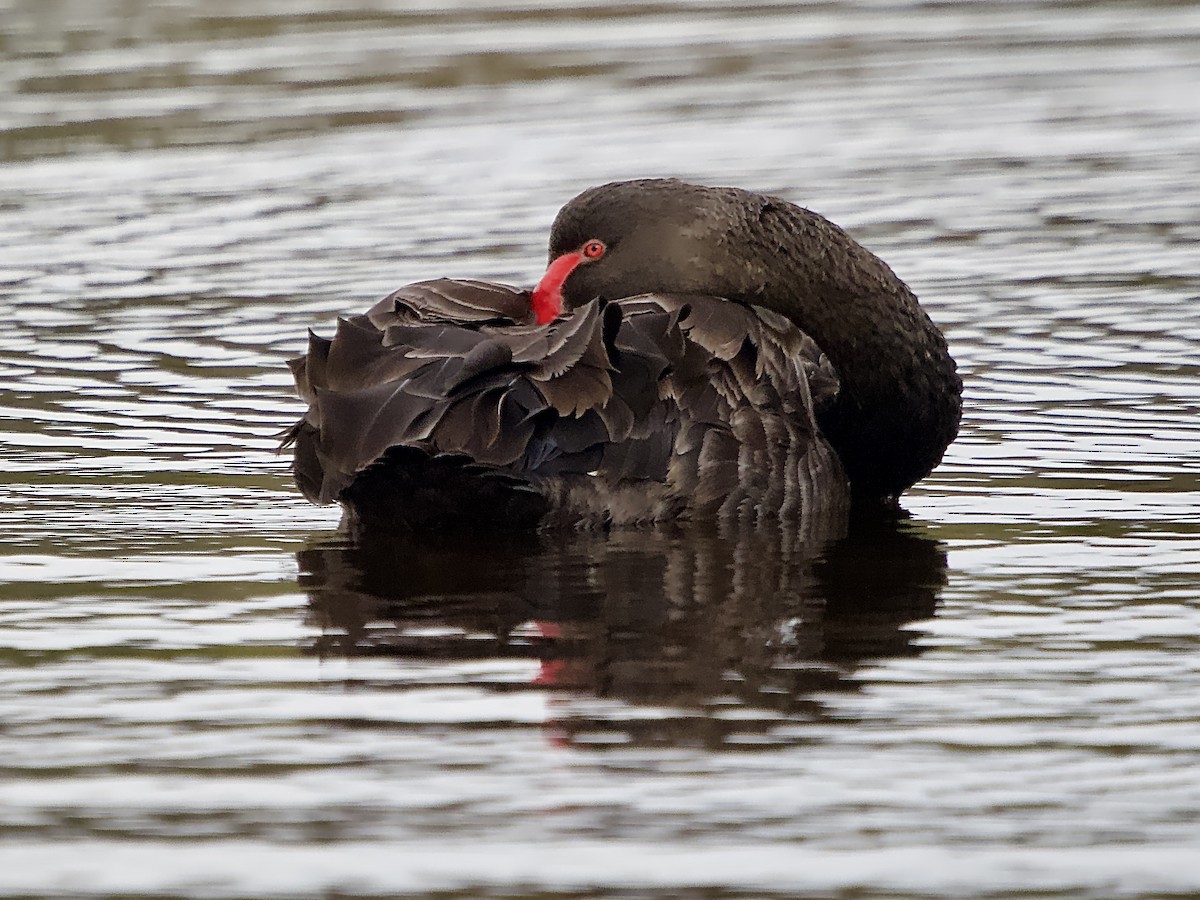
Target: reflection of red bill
<point x="550" y="671"/>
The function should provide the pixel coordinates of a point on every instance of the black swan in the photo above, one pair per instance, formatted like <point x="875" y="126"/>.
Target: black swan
<point x="692" y="353"/>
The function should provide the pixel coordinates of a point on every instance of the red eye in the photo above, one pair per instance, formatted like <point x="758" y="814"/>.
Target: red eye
<point x="594" y="249"/>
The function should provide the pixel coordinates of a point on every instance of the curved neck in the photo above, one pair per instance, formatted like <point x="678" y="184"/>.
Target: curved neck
<point x="899" y="404"/>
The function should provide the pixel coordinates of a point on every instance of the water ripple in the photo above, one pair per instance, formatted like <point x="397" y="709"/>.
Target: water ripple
<point x="207" y="691"/>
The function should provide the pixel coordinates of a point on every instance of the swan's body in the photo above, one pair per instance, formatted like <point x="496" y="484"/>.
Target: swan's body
<point x="710" y="354"/>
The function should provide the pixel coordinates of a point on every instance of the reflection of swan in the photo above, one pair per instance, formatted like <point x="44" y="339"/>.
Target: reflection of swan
<point x="691" y="353"/>
<point x="705" y="622"/>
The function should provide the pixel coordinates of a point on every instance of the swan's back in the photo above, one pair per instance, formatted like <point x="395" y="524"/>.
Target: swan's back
<point x="443" y="406"/>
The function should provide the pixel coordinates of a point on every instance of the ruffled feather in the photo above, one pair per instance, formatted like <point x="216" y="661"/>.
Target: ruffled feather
<point x="649" y="408"/>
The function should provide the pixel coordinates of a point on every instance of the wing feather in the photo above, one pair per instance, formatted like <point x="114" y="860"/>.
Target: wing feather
<point x="711" y="402"/>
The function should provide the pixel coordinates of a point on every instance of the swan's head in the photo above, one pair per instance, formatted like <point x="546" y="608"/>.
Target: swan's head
<point x="653" y="235"/>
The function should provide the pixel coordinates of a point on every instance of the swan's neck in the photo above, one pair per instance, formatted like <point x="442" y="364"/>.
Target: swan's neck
<point x="900" y="399"/>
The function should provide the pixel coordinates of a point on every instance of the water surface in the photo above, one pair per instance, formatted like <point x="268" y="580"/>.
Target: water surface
<point x="207" y="690"/>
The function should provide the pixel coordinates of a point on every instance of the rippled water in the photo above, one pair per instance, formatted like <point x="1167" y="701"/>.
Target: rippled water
<point x="207" y="691"/>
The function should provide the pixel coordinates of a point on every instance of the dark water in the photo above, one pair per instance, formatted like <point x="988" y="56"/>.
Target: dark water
<point x="205" y="690"/>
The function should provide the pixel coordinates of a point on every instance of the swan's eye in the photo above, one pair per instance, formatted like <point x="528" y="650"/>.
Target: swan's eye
<point x="594" y="249"/>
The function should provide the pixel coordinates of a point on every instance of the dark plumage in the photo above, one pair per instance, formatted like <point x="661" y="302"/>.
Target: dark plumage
<point x="900" y="399"/>
<point x="716" y="349"/>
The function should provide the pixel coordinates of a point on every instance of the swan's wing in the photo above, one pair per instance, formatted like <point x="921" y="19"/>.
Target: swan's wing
<point x="748" y="386"/>
<point x="482" y="386"/>
<point x="711" y="402"/>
